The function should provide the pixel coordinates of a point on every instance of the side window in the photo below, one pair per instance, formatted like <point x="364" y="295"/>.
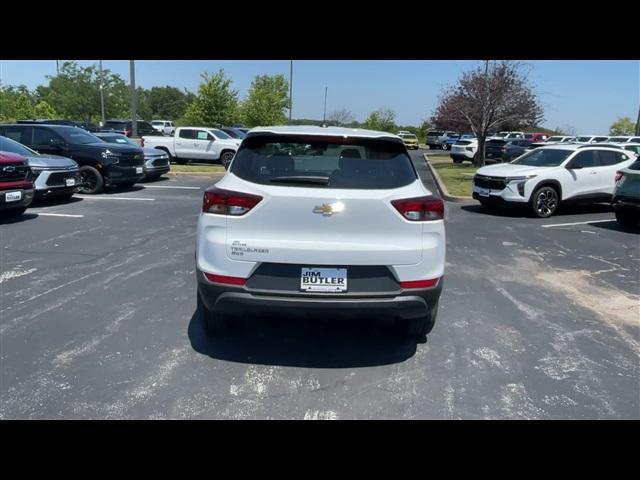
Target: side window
<point x="186" y="133"/>
<point x="44" y="136"/>
<point x="600" y="139"/>
<point x="611" y="158"/>
<point x="19" y="134"/>
<point x="584" y="159"/>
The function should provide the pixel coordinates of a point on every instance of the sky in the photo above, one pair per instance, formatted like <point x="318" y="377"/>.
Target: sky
<point x="588" y="95"/>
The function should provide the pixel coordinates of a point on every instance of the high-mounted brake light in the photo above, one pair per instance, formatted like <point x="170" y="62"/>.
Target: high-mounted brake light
<point x="225" y="279"/>
<point x="420" y="209"/>
<point x="225" y="202"/>
<point x="431" y="282"/>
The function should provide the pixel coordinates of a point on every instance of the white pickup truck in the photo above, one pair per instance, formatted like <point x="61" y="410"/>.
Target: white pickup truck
<point x="196" y="143"/>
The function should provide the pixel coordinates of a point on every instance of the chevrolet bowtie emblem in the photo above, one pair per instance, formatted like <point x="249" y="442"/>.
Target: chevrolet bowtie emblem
<point x="329" y="208"/>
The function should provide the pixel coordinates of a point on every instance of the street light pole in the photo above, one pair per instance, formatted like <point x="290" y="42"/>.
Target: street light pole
<point x="132" y="87"/>
<point x="290" y="89"/>
<point x="324" y="115"/>
<point x="638" y="123"/>
<point x="102" y="95"/>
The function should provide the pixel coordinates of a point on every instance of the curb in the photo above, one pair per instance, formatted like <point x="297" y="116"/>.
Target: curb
<point x="441" y="186"/>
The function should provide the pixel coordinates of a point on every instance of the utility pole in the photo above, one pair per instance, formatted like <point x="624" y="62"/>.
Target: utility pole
<point x="102" y="95"/>
<point x="132" y="87"/>
<point x="290" y="90"/>
<point x="324" y="115"/>
<point x="57" y="68"/>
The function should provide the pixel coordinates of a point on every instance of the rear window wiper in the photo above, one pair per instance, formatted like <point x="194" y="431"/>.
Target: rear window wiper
<point x="301" y="179"/>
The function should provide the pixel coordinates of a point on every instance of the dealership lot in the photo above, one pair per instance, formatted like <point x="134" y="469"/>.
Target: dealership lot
<point x="539" y="318"/>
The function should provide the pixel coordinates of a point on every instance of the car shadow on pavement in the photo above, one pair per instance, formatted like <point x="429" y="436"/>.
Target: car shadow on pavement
<point x="616" y="227"/>
<point x="161" y="178"/>
<point x="116" y="189"/>
<point x="300" y="342"/>
<point x="524" y="212"/>
<point x="55" y="200"/>
<point x="8" y="220"/>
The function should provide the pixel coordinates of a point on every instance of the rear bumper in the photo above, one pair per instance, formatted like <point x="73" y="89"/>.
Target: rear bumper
<point x="625" y="202"/>
<point x="238" y="300"/>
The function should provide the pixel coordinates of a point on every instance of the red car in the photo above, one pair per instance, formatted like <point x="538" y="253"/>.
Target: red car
<point x="537" y="137"/>
<point x="16" y="184"/>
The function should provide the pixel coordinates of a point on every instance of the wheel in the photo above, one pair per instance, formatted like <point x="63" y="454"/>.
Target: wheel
<point x="457" y="160"/>
<point x="226" y="158"/>
<point x="91" y="180"/>
<point x="15" y="212"/>
<point x="544" y="202"/>
<point x="445" y="146"/>
<point x="126" y="186"/>
<point x="626" y="219"/>
<point x="213" y="323"/>
<point x="420" y="327"/>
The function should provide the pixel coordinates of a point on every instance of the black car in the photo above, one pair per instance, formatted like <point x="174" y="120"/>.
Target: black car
<point x="88" y="126"/>
<point x="514" y="148"/>
<point x="493" y="149"/>
<point x="100" y="163"/>
<point x="234" y="132"/>
<point x="125" y="127"/>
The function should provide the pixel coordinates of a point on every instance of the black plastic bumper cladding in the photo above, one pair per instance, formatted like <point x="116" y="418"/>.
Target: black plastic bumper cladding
<point x="240" y="300"/>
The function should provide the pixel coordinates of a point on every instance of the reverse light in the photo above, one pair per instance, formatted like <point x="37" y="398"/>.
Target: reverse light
<point x="431" y="282"/>
<point x="420" y="209"/>
<point x="225" y="202"/>
<point x="225" y="279"/>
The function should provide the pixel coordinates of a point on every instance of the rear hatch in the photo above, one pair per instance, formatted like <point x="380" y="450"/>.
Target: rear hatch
<point x="344" y="218"/>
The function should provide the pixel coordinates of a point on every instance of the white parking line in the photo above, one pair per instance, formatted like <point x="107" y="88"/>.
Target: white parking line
<point x="577" y="223"/>
<point x="58" y="215"/>
<point x="167" y="186"/>
<point x="90" y="197"/>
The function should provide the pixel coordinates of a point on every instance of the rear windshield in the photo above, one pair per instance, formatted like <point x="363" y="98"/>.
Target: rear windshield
<point x="408" y="136"/>
<point x="435" y="134"/>
<point x="543" y="157"/>
<point x="324" y="162"/>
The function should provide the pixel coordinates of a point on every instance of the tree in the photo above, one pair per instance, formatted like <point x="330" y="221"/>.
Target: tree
<point x="267" y="101"/>
<point x="382" y="119"/>
<point x="486" y="99"/>
<point x="622" y="126"/>
<point x="568" y="130"/>
<point x="216" y="104"/>
<point x="341" y="117"/>
<point x="75" y="93"/>
<point x="169" y="103"/>
<point x="43" y="110"/>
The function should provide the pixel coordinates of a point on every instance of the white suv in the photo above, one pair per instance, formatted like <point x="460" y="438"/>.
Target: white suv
<point x="548" y="175"/>
<point x="325" y="221"/>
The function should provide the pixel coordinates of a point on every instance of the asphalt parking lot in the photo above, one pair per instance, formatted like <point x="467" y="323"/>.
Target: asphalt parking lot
<point x="539" y="319"/>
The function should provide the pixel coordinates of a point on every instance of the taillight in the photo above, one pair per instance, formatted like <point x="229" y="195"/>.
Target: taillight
<point x="225" y="279"/>
<point x="127" y="132"/>
<point x="226" y="202"/>
<point x="431" y="282"/>
<point x="142" y="142"/>
<point x="420" y="209"/>
<point x="619" y="176"/>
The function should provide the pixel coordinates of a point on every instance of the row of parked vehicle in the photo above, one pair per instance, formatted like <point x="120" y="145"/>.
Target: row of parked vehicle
<point x="44" y="160"/>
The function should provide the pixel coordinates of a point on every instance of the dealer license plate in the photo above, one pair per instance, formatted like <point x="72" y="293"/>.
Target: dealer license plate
<point x="12" y="196"/>
<point x="323" y="280"/>
<point x="70" y="182"/>
<point x="138" y="169"/>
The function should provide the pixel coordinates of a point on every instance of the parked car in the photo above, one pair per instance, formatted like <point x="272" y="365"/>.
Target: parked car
<point x="536" y="137"/>
<point x="464" y="150"/>
<point x="558" y="139"/>
<point x="16" y="185"/>
<point x="52" y="175"/>
<point x="624" y="139"/>
<point x="196" y="143"/>
<point x="88" y="126"/>
<point x="156" y="162"/>
<point x="451" y="140"/>
<point x="437" y="138"/>
<point x="165" y="127"/>
<point x="510" y="135"/>
<point x="547" y="176"/>
<point x="493" y="149"/>
<point x="234" y="132"/>
<point x="410" y="140"/>
<point x="632" y="147"/>
<point x="125" y="127"/>
<point x="293" y="215"/>
<point x="100" y="163"/>
<point x="514" y="148"/>
<point x="585" y="139"/>
<point x="626" y="196"/>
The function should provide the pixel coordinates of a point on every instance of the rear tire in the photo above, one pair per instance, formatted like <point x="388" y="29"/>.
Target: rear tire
<point x="457" y="160"/>
<point x="420" y="327"/>
<point x="213" y="323"/>
<point x="226" y="158"/>
<point x="92" y="181"/>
